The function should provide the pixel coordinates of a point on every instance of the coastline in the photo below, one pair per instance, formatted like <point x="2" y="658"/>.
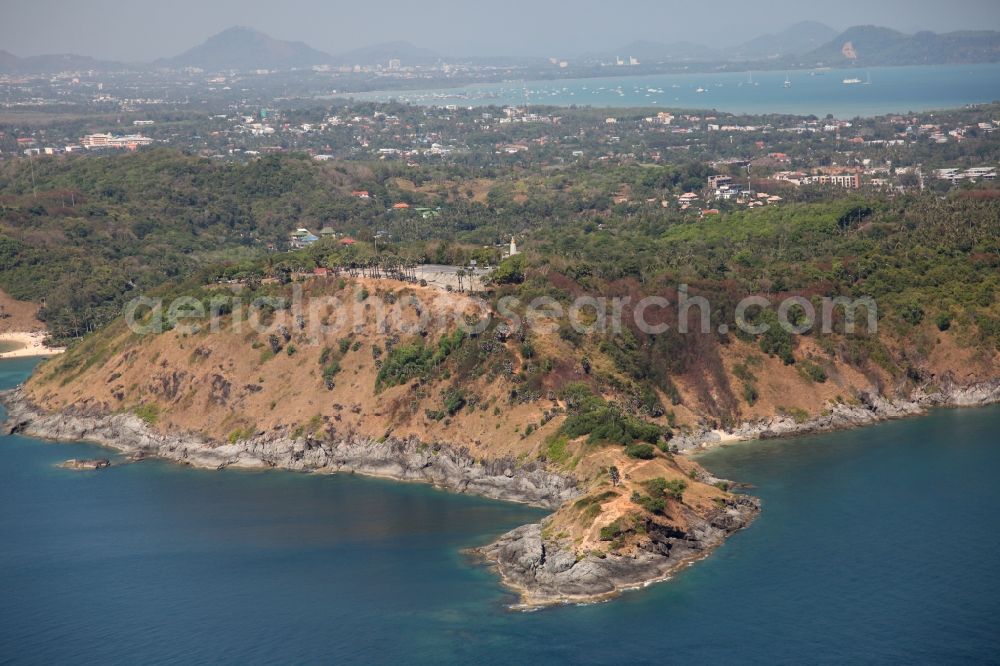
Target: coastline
<point x="32" y="344"/>
<point x="546" y="573"/>
<point x="870" y="411"/>
<point x="448" y="467"/>
<point x="540" y="576"/>
<point x="565" y="91"/>
<point x="542" y="571"/>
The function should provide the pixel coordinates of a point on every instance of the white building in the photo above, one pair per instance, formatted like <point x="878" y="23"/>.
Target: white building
<point x="129" y="141"/>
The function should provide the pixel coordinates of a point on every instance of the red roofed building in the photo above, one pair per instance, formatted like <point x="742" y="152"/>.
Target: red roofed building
<point x="402" y="205"/>
<point x="347" y="241"/>
<point x="361" y="194"/>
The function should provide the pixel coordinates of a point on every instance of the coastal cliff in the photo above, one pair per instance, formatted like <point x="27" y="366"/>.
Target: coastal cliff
<point x="547" y="572"/>
<point x="541" y="568"/>
<point x="402" y="459"/>
<point x="529" y="417"/>
<point x="542" y="571"/>
<point x="871" y="409"/>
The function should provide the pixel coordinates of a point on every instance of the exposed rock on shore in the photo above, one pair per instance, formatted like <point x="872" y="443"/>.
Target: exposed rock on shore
<point x="543" y="569"/>
<point x="543" y="572"/>
<point x="870" y="410"/>
<point x="407" y="460"/>
<point x="547" y="572"/>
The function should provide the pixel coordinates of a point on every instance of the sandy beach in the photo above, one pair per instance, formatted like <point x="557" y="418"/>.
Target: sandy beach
<point x="32" y="344"/>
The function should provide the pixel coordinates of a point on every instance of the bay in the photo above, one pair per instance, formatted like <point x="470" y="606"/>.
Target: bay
<point x="874" y="546"/>
<point x="816" y="92"/>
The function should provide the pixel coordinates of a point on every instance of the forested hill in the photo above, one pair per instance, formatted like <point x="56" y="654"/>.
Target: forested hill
<point x="84" y="233"/>
<point x="872" y="45"/>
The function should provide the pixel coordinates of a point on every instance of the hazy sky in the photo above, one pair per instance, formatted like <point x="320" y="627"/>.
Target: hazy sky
<point x="148" y="29"/>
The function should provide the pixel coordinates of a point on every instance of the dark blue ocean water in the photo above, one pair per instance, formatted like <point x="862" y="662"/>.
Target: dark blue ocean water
<point x="878" y="545"/>
<point x="819" y="92"/>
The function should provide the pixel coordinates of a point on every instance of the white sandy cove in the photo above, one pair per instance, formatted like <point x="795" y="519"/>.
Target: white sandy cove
<point x="32" y="344"/>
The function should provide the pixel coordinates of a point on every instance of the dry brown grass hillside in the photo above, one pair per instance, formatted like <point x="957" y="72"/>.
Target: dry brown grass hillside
<point x="18" y="315"/>
<point x="235" y="382"/>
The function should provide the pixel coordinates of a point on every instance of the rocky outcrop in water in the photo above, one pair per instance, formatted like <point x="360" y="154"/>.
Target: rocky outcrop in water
<point x="328" y="452"/>
<point x="548" y="572"/>
<point x="97" y="463"/>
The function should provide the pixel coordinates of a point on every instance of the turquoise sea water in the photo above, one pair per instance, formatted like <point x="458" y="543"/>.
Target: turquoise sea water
<point x="877" y="545"/>
<point x="819" y="92"/>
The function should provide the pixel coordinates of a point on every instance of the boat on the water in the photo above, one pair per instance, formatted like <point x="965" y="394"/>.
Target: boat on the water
<point x="851" y="82"/>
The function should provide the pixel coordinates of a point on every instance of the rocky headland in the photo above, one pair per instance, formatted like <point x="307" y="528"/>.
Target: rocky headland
<point x="447" y="467"/>
<point x="541" y="571"/>
<point x="480" y="415"/>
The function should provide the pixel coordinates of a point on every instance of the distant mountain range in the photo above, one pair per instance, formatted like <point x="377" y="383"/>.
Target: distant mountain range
<point x="804" y="44"/>
<point x="872" y="45"/>
<point x="810" y="43"/>
<point x="793" y="40"/>
<point x="236" y="48"/>
<point x="800" y="38"/>
<point x="245" y="48"/>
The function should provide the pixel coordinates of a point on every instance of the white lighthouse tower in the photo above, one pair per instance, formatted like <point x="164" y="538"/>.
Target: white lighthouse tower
<point x="513" y="247"/>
